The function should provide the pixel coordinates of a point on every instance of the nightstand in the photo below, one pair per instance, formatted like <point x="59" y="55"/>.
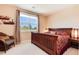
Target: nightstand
<point x="74" y="43"/>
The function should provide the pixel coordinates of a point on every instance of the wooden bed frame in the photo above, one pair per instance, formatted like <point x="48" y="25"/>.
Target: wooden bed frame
<point x="47" y="42"/>
<point x="67" y="30"/>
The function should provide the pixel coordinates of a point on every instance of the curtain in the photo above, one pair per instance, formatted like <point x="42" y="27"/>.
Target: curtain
<point x="17" y="26"/>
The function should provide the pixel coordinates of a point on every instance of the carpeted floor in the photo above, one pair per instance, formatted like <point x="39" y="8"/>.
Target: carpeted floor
<point x="26" y="48"/>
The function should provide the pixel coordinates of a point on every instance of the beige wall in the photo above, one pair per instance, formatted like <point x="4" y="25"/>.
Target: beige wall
<point x="43" y="23"/>
<point x="8" y="10"/>
<point x="8" y="29"/>
<point x="65" y="18"/>
<point x="25" y="36"/>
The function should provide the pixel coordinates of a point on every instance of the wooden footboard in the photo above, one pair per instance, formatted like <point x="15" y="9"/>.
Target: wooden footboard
<point x="45" y="42"/>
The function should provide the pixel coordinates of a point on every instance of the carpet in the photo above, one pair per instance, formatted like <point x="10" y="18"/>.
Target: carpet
<point x="27" y="48"/>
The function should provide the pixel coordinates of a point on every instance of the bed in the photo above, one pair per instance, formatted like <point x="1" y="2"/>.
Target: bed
<point x="54" y="42"/>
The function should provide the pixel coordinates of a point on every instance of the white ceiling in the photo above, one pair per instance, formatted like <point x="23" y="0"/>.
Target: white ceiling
<point x="46" y="9"/>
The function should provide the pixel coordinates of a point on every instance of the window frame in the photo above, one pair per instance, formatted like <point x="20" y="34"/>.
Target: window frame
<point x="31" y="14"/>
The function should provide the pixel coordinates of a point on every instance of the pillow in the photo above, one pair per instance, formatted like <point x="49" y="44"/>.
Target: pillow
<point x="4" y="37"/>
<point x="64" y="33"/>
<point x="61" y="33"/>
<point x="58" y="33"/>
<point x="3" y="34"/>
<point x="52" y="32"/>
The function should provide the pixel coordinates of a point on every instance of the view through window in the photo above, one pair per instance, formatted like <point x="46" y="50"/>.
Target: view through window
<point x="28" y="22"/>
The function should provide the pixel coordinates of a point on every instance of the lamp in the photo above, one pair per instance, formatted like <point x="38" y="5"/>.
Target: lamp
<point x="75" y="34"/>
<point x="46" y="30"/>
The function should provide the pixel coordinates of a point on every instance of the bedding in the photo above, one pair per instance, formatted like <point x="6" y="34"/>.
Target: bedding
<point x="61" y="42"/>
<point x="62" y="39"/>
<point x="3" y="36"/>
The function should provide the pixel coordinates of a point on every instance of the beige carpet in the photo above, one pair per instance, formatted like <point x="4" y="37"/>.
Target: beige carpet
<point x="71" y="51"/>
<point x="26" y="48"/>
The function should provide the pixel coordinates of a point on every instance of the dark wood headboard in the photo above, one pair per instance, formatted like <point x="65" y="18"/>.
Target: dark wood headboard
<point x="67" y="30"/>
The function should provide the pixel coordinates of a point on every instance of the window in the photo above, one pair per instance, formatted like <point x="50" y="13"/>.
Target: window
<point x="28" y="22"/>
